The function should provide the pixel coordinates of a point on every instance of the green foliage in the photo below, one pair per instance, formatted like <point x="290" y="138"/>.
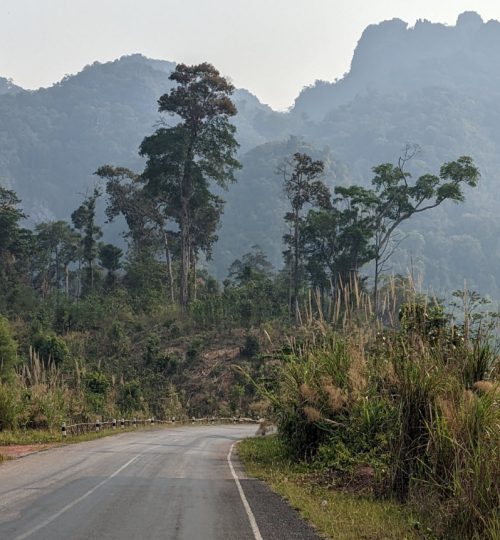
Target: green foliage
<point x="302" y="186"/>
<point x="10" y="406"/>
<point x="130" y="399"/>
<point x="51" y="348"/>
<point x="251" y="348"/>
<point x="193" y="351"/>
<point x="15" y="246"/>
<point x="417" y="404"/>
<point x="10" y="216"/>
<point x="97" y="383"/>
<point x="98" y="386"/>
<point x="8" y="350"/>
<point x="45" y="407"/>
<point x="360" y="224"/>
<point x="84" y="219"/>
<point x="101" y="114"/>
<point x="183" y="159"/>
<point x="413" y="403"/>
<point x="109" y="258"/>
<point x="56" y="247"/>
<point x="336" y="513"/>
<point x="88" y="313"/>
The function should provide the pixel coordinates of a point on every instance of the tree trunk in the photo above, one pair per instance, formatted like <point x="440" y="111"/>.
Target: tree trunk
<point x="375" y="284"/>
<point x="58" y="273"/>
<point x="295" y="297"/>
<point x="185" y="227"/>
<point x="79" y="291"/>
<point x="66" y="279"/>
<point x="91" y="271"/>
<point x="169" y="266"/>
<point x="193" y="263"/>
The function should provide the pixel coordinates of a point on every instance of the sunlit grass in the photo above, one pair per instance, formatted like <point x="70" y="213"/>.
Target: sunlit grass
<point x="335" y="514"/>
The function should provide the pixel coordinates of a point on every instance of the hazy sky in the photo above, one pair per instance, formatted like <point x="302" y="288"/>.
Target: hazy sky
<point x="271" y="47"/>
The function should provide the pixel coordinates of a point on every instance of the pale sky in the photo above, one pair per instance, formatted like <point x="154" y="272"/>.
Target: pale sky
<point x="273" y="48"/>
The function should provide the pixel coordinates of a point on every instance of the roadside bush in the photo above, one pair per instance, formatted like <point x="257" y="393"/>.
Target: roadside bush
<point x="8" y="351"/>
<point x="10" y="406"/>
<point x="130" y="399"/>
<point x="418" y="404"/>
<point x="45" y="408"/>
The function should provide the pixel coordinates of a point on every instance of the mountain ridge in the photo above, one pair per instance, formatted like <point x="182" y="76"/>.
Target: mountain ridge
<point x="52" y="140"/>
<point x="389" y="52"/>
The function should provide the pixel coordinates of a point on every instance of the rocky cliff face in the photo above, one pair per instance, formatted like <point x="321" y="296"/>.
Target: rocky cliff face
<point x="392" y="57"/>
<point x="432" y="85"/>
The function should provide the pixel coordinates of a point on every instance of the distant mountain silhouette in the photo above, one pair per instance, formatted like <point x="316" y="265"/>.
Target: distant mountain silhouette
<point x="433" y="85"/>
<point x="392" y="57"/>
<point x="8" y="87"/>
<point x="53" y="139"/>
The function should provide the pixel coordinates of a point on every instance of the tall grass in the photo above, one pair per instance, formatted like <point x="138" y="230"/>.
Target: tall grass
<point x="36" y="399"/>
<point x="405" y="390"/>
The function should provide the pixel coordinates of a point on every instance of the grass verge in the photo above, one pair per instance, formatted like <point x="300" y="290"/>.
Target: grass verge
<point x="335" y="514"/>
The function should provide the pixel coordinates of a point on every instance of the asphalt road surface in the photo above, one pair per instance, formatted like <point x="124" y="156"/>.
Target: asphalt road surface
<point x="177" y="483"/>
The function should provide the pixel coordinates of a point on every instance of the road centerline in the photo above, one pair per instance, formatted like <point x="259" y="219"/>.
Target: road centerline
<point x="53" y="517"/>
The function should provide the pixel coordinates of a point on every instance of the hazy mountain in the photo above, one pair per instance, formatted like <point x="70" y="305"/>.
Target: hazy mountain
<point x="433" y="85"/>
<point x="8" y="87"/>
<point x="392" y="57"/>
<point x="53" y="139"/>
<point x="430" y="85"/>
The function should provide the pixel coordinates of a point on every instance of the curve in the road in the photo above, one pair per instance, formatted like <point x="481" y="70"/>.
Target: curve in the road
<point x="175" y="484"/>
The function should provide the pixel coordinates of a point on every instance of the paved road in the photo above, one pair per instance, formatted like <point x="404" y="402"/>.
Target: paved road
<point x="164" y="484"/>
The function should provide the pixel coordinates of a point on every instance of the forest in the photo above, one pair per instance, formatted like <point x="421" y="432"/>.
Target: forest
<point x="442" y="99"/>
<point x="176" y="285"/>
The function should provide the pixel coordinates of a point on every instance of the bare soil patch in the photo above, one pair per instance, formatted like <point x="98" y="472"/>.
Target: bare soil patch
<point x="15" y="451"/>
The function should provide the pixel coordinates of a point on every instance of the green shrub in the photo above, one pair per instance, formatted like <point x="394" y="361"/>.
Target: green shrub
<point x="418" y="403"/>
<point x="10" y="406"/>
<point x="8" y="350"/>
<point x="251" y="348"/>
<point x="45" y="407"/>
<point x="51" y="348"/>
<point x="130" y="399"/>
<point x="193" y="351"/>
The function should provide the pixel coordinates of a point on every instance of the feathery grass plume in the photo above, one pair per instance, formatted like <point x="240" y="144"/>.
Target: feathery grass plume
<point x="313" y="415"/>
<point x="336" y="397"/>
<point x="357" y="377"/>
<point x="308" y="394"/>
<point x="409" y="391"/>
<point x="486" y="386"/>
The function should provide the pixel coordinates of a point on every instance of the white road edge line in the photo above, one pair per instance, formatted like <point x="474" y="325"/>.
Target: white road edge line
<point x="73" y="503"/>
<point x="248" y="510"/>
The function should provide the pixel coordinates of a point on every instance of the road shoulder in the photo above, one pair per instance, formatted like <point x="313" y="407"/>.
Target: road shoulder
<point x="275" y="517"/>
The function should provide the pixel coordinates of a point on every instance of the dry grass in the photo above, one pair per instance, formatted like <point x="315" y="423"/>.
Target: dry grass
<point x="405" y="390"/>
<point x="335" y="514"/>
